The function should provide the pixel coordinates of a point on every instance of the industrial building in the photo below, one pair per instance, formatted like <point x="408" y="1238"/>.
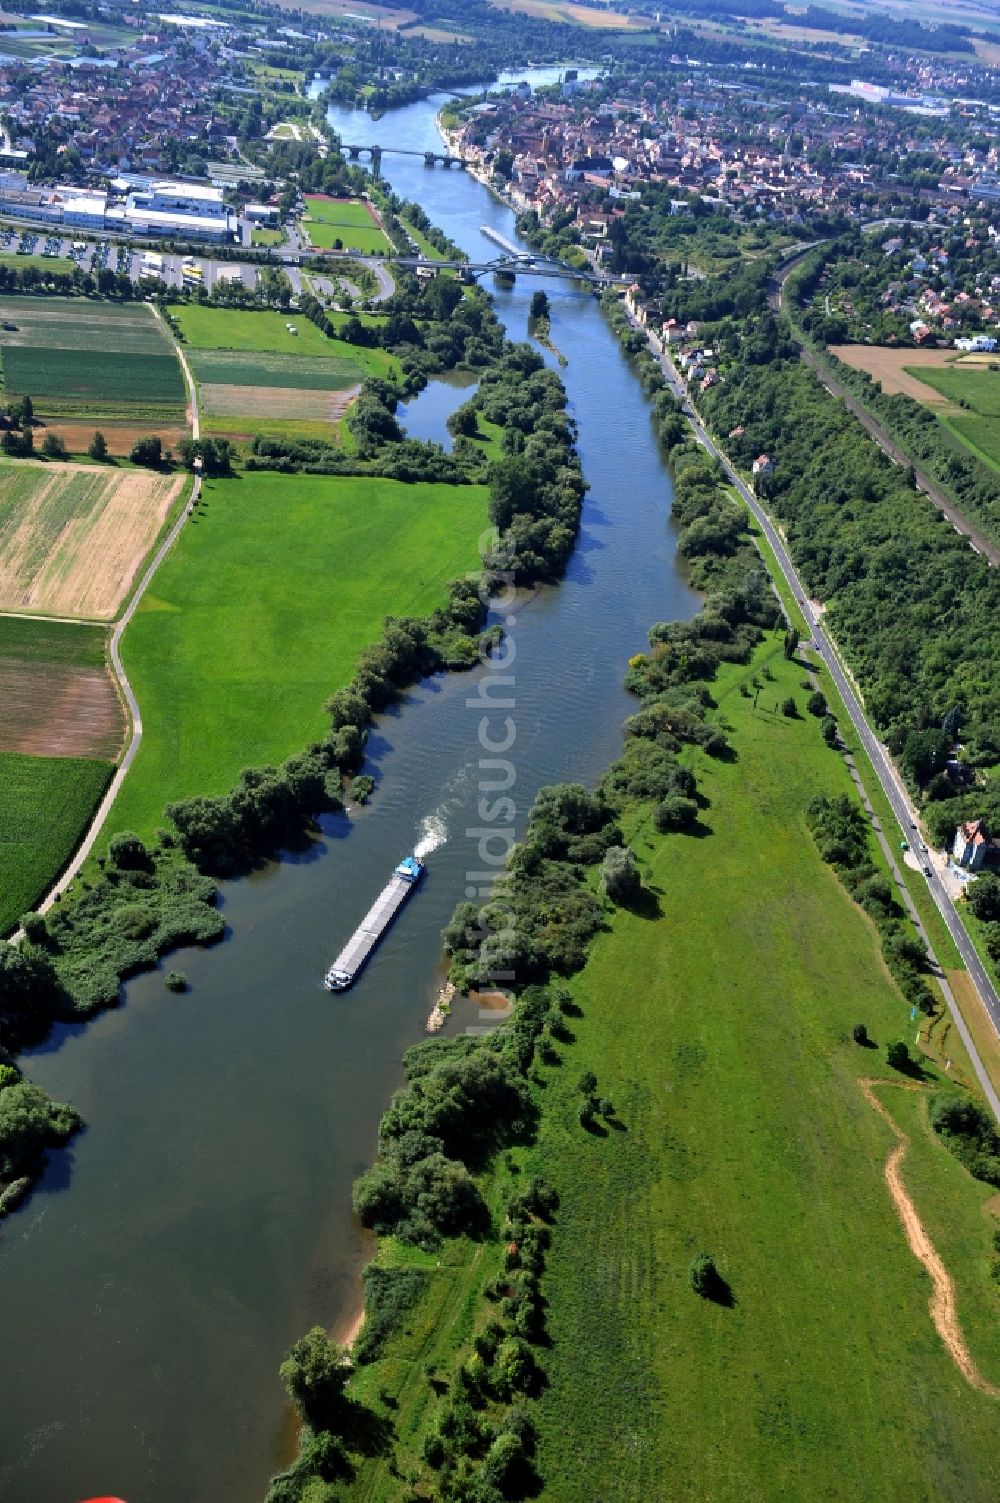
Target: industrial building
<point x="163" y="209"/>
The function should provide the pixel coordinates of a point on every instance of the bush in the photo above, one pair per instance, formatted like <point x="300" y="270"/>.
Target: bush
<point x="970" y="1133"/>
<point x="620" y="876"/>
<point x="898" y="1057"/>
<point x="175" y="981"/>
<point x="148" y="451"/>
<point x="816" y="704"/>
<point x="705" y="1278"/>
<point x="789" y="708"/>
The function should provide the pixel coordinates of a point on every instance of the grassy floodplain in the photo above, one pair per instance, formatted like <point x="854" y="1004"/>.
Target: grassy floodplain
<point x="720" y="1027"/>
<point x="259" y="614"/>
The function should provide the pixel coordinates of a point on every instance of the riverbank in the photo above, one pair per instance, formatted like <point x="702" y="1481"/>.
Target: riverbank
<point x="257" y="1090"/>
<point x="705" y="1051"/>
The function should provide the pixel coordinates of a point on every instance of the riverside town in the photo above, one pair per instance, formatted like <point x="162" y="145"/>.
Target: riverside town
<point x="500" y="751"/>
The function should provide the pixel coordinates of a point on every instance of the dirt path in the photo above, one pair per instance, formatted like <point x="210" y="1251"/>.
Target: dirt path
<point x="944" y="1312"/>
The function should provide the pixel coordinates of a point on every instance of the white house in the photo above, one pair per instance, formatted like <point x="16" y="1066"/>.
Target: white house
<point x="971" y="845"/>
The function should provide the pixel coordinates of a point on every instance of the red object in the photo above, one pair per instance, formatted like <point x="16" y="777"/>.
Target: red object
<point x="103" y="1500"/>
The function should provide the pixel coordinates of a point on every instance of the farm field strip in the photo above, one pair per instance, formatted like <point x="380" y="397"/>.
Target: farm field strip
<point x="109" y="376"/>
<point x="312" y="405"/>
<point x="72" y="538"/>
<point x="56" y="710"/>
<point x="77" y="323"/>
<point x="120" y="437"/>
<point x="44" y="804"/>
<point x="896" y="369"/>
<point x="222" y="368"/>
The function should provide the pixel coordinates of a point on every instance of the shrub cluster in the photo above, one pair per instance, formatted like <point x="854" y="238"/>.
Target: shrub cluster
<point x="840" y="831"/>
<point x="970" y="1133"/>
<point x="463" y="1098"/>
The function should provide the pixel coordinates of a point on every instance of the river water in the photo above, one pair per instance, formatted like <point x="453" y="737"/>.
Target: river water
<point x="202" y="1222"/>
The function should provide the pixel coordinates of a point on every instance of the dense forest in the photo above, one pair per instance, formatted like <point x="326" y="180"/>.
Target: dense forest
<point x="914" y="607"/>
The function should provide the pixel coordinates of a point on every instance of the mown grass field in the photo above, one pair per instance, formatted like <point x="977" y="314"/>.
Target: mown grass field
<point x="45" y="802"/>
<point x="348" y="220"/>
<point x="259" y="614"/>
<point x="205" y="328"/>
<point x="720" y="1028"/>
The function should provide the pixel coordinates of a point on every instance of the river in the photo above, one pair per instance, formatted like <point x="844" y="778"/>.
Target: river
<point x="202" y="1221"/>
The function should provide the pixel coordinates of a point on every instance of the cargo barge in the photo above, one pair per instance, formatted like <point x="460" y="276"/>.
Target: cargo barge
<point x="376" y="921"/>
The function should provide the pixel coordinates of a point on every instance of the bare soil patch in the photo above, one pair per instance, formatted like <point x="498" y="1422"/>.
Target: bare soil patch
<point x="59" y="710"/>
<point x="119" y="437"/>
<point x="888" y="367"/>
<point x="943" y="1308"/>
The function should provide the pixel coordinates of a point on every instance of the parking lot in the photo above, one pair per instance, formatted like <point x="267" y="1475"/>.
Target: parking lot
<point x="133" y="260"/>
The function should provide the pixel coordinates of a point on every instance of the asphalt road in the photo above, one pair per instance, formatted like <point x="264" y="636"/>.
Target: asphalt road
<point x="886" y="773"/>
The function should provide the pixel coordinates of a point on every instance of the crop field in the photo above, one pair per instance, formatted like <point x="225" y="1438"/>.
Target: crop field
<point x="718" y="1021"/>
<point x="220" y="367"/>
<point x="57" y="693"/>
<point x="72" y="537"/>
<point x="349" y="220"/>
<point x="45" y="803"/>
<point x="77" y="357"/>
<point x="120" y="437"/>
<point x="103" y="376"/>
<point x="311" y="404"/>
<point x="259" y="614"/>
<point x="241" y="429"/>
<point x="67" y="323"/>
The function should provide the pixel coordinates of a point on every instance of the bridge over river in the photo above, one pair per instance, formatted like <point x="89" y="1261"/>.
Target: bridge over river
<point x="376" y="152"/>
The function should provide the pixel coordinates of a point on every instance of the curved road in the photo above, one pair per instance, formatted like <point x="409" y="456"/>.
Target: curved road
<point x="884" y="769"/>
<point x="125" y="687"/>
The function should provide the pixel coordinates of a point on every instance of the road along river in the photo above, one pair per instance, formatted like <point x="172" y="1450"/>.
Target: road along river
<point x="202" y="1222"/>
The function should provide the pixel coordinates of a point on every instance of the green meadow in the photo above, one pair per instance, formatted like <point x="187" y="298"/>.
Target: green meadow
<point x="718" y="1021"/>
<point x="259" y="614"/>
<point x="975" y="391"/>
<point x="205" y="328"/>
